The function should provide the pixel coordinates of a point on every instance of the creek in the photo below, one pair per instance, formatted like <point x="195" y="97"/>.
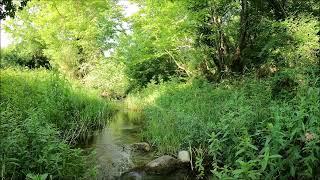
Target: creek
<point x="114" y="155"/>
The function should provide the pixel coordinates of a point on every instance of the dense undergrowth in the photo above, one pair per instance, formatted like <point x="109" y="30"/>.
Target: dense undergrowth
<point x="235" y="82"/>
<point x="42" y="117"/>
<point x="247" y="128"/>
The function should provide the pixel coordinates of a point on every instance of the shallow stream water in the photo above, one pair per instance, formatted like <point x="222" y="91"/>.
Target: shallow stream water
<point x="114" y="155"/>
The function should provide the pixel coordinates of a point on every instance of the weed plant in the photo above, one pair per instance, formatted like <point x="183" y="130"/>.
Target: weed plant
<point x="42" y="117"/>
<point x="240" y="129"/>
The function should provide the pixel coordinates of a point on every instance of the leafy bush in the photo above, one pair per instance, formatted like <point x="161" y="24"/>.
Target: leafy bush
<point x="14" y="56"/>
<point x="108" y="76"/>
<point x="41" y="116"/>
<point x="69" y="43"/>
<point x="160" y="69"/>
<point x="241" y="131"/>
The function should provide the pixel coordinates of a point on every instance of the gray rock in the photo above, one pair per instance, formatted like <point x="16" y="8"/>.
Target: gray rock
<point x="132" y="176"/>
<point x="184" y="156"/>
<point x="162" y="165"/>
<point x="143" y="146"/>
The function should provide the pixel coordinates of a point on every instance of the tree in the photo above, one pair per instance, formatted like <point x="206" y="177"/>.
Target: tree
<point x="156" y="47"/>
<point x="232" y="31"/>
<point x="212" y="37"/>
<point x="9" y="8"/>
<point x="72" y="34"/>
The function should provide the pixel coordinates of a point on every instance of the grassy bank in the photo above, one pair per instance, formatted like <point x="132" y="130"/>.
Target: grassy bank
<point x="246" y="128"/>
<point x="42" y="117"/>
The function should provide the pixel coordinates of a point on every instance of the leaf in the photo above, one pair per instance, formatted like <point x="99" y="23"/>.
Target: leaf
<point x="265" y="159"/>
<point x="238" y="171"/>
<point x="275" y="156"/>
<point x="253" y="147"/>
<point x="239" y="152"/>
<point x="264" y="164"/>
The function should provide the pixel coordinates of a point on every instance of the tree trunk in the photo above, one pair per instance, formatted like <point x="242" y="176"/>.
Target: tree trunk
<point x="221" y="46"/>
<point x="238" y="64"/>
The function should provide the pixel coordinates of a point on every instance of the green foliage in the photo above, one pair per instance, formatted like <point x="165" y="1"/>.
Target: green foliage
<point x="9" y="7"/>
<point x="41" y="116"/>
<point x="246" y="133"/>
<point x="25" y="57"/>
<point x="199" y="163"/>
<point x="290" y="43"/>
<point x="155" y="51"/>
<point x="37" y="177"/>
<point x="217" y="37"/>
<point x="73" y="35"/>
<point x="108" y="76"/>
<point x="158" y="70"/>
<point x="242" y="127"/>
<point x="284" y="86"/>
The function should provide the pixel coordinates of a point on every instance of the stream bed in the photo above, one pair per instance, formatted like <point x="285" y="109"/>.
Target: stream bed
<point x="114" y="155"/>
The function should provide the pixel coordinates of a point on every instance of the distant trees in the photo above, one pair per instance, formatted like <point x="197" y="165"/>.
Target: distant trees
<point x="231" y="29"/>
<point x="216" y="38"/>
<point x="165" y="39"/>
<point x="71" y="34"/>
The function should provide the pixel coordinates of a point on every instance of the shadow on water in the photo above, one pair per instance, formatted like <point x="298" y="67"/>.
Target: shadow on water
<point x="114" y="155"/>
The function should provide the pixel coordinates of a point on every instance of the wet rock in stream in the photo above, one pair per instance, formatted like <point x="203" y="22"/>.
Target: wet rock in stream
<point x="113" y="160"/>
<point x="143" y="146"/>
<point x="133" y="175"/>
<point x="119" y="156"/>
<point x="164" y="167"/>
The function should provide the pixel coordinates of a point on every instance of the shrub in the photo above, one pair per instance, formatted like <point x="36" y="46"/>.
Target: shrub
<point x="108" y="76"/>
<point x="12" y="56"/>
<point x="241" y="130"/>
<point x="41" y="116"/>
<point x="158" y="69"/>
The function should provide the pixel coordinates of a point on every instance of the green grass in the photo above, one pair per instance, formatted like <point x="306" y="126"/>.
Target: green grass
<point x="42" y="117"/>
<point x="244" y="129"/>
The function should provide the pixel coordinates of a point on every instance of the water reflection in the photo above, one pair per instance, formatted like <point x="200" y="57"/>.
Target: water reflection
<point x="114" y="155"/>
<point x="112" y="145"/>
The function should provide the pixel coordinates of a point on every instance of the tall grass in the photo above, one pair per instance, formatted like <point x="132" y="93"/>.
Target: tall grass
<point x="42" y="117"/>
<point x="241" y="129"/>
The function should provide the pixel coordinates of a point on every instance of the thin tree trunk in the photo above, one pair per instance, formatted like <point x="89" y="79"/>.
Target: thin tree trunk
<point x="238" y="64"/>
<point x="220" y="58"/>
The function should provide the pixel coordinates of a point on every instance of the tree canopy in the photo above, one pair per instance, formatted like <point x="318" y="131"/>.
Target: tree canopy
<point x="9" y="7"/>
